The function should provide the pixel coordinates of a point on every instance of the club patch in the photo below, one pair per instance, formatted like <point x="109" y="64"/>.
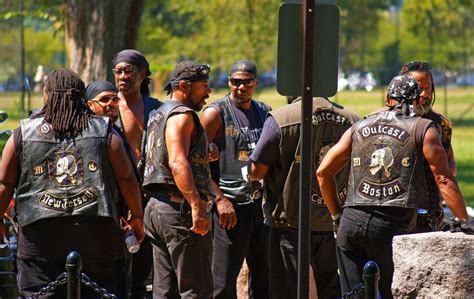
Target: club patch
<point x="66" y="170"/>
<point x="61" y="203"/>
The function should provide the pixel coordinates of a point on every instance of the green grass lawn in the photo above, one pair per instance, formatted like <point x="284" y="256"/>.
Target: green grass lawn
<point x="457" y="102"/>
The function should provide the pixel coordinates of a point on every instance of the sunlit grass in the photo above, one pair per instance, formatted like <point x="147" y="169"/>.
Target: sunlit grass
<point x="459" y="103"/>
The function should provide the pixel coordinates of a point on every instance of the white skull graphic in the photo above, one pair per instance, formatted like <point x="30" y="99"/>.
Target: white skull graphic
<point x="381" y="158"/>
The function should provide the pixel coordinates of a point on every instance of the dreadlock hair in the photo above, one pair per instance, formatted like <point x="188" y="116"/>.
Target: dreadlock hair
<point x="66" y="108"/>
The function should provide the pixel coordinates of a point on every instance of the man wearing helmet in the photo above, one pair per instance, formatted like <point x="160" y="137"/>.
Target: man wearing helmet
<point x="382" y="204"/>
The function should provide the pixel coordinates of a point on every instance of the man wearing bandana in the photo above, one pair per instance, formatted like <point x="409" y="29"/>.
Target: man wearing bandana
<point x="234" y="124"/>
<point x="131" y="72"/>
<point x="176" y="176"/>
<point x="382" y="202"/>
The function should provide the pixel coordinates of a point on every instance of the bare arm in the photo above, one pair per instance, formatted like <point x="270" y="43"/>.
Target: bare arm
<point x="438" y="161"/>
<point x="452" y="161"/>
<point x="211" y="122"/>
<point x="9" y="172"/>
<point x="127" y="182"/>
<point x="179" y="128"/>
<point x="334" y="160"/>
<point x="257" y="171"/>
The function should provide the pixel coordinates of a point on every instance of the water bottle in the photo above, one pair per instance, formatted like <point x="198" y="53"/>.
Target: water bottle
<point x="131" y="241"/>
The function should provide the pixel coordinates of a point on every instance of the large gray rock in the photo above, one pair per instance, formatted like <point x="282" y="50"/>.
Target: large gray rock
<point x="433" y="265"/>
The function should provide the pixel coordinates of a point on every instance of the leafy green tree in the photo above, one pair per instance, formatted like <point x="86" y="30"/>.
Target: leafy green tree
<point x="443" y="30"/>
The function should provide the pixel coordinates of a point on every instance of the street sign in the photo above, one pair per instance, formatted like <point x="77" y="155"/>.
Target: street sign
<point x="290" y="49"/>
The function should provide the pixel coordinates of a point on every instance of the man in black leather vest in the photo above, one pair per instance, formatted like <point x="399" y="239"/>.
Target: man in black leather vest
<point x="234" y="123"/>
<point x="386" y="185"/>
<point x="68" y="167"/>
<point x="277" y="159"/>
<point x="178" y="179"/>
<point x="131" y="72"/>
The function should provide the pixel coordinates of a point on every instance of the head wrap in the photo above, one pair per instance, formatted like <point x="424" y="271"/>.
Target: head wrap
<point x="244" y="66"/>
<point x="136" y="58"/>
<point x="96" y="87"/>
<point x="188" y="71"/>
<point x="133" y="57"/>
<point x="404" y="88"/>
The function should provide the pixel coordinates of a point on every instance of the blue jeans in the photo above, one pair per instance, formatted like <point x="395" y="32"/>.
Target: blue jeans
<point x="181" y="258"/>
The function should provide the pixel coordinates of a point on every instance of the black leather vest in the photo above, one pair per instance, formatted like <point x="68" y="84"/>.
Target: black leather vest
<point x="158" y="178"/>
<point x="236" y="151"/>
<point x="387" y="164"/>
<point x="65" y="178"/>
<point x="281" y="205"/>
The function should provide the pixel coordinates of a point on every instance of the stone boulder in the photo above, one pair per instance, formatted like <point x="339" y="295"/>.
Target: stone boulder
<point x="433" y="265"/>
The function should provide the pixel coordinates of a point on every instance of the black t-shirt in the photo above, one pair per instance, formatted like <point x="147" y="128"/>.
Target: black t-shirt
<point x="268" y="147"/>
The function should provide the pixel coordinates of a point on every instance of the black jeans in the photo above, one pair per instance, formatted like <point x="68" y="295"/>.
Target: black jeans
<point x="181" y="258"/>
<point x="362" y="237"/>
<point x="35" y="274"/>
<point x="283" y="261"/>
<point x="248" y="239"/>
<point x="142" y="263"/>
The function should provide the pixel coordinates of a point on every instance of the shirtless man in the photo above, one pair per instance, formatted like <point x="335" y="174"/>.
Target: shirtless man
<point x="131" y="72"/>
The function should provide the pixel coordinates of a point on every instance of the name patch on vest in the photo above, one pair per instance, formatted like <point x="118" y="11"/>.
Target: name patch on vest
<point x="320" y="116"/>
<point x="318" y="200"/>
<point x="61" y="203"/>
<point x="378" y="192"/>
<point x="395" y="132"/>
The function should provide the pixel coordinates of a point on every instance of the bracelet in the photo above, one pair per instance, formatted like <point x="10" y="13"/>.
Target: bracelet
<point x="336" y="217"/>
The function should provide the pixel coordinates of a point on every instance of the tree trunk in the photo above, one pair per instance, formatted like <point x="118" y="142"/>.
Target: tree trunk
<point x="96" y="30"/>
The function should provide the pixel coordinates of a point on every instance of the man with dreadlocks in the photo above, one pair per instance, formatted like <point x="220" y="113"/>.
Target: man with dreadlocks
<point x="60" y="161"/>
<point x="431" y="219"/>
<point x="386" y="151"/>
<point x="131" y="72"/>
<point x="177" y="175"/>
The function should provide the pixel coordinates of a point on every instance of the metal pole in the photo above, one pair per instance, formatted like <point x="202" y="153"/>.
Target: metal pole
<point x="308" y="17"/>
<point x="73" y="269"/>
<point x="371" y="276"/>
<point x="22" y="59"/>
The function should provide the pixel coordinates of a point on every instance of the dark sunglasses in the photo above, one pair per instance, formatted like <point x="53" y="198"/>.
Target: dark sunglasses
<point x="105" y="100"/>
<point x="417" y="66"/>
<point x="126" y="70"/>
<point x="245" y="82"/>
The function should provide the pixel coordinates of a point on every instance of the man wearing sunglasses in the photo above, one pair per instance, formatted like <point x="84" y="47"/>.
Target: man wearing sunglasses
<point x="177" y="178"/>
<point x="131" y="71"/>
<point x="234" y="124"/>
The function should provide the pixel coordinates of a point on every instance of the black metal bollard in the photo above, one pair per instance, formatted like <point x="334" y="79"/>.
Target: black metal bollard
<point x="371" y="276"/>
<point x="73" y="268"/>
<point x="8" y="287"/>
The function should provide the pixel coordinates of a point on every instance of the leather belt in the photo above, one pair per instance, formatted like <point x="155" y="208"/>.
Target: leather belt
<point x="179" y="199"/>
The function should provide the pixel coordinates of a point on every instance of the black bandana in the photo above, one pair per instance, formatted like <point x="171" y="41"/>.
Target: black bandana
<point x="404" y="88"/>
<point x="197" y="72"/>
<point x="133" y="57"/>
<point x="96" y="87"/>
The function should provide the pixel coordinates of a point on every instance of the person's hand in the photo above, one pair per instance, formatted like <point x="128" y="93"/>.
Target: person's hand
<point x="136" y="224"/>
<point x="200" y="219"/>
<point x="213" y="154"/>
<point x="226" y="212"/>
